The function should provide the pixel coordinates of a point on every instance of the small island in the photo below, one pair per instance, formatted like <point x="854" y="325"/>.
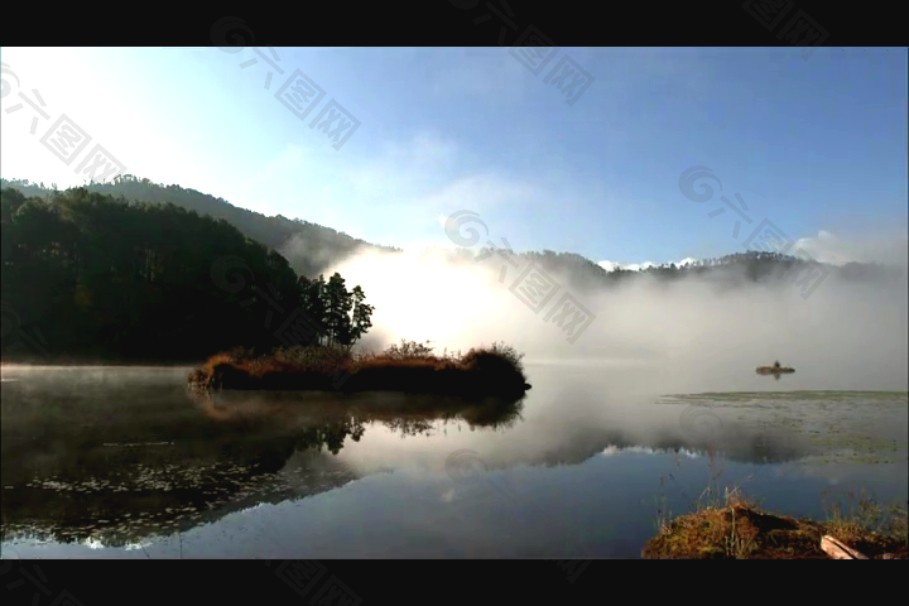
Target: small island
<point x="410" y="367"/>
<point x="318" y="355"/>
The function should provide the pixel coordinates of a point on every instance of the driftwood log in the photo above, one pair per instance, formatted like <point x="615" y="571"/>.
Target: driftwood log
<point x="838" y="550"/>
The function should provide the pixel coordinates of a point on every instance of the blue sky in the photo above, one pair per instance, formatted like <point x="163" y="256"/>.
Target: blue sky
<point x="815" y="145"/>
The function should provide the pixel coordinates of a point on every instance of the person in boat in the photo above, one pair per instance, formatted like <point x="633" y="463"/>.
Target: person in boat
<point x="776" y="364"/>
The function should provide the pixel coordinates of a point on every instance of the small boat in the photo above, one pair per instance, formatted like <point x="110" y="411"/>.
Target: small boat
<point x="775" y="370"/>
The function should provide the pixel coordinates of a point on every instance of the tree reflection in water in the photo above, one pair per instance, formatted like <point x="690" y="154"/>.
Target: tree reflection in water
<point x="125" y="479"/>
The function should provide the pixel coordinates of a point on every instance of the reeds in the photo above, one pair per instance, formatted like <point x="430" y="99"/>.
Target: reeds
<point x="410" y="367"/>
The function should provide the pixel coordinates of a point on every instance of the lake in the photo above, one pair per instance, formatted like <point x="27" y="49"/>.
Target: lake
<point x="125" y="462"/>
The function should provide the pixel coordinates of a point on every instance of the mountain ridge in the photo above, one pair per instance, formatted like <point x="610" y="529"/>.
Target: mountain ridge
<point x="277" y="232"/>
<point x="311" y="248"/>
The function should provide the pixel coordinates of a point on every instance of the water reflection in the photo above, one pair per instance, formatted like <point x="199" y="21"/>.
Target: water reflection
<point x="129" y="457"/>
<point x="119" y="476"/>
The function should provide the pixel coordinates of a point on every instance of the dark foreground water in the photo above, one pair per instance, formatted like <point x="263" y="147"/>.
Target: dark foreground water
<point x="125" y="462"/>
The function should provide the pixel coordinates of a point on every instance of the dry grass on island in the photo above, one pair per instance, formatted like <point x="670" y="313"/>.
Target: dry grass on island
<point x="409" y="367"/>
<point x="739" y="529"/>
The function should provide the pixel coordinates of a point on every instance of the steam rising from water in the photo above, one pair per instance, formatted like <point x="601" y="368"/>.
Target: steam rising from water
<point x="683" y="334"/>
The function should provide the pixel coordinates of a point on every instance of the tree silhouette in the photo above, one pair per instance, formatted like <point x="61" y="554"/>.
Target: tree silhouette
<point x="100" y="278"/>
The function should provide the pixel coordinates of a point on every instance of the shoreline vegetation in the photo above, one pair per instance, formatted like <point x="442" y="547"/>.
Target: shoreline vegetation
<point x="737" y="528"/>
<point x="409" y="367"/>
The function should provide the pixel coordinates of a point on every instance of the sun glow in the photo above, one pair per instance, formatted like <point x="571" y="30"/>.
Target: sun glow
<point x="424" y="296"/>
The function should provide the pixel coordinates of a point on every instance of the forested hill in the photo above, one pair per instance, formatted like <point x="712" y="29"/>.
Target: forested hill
<point x="86" y="277"/>
<point x="309" y="248"/>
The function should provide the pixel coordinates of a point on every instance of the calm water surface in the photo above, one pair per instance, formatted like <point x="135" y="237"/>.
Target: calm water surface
<point x="127" y="463"/>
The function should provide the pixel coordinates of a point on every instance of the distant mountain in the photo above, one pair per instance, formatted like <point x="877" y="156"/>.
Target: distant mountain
<point x="729" y="270"/>
<point x="309" y="248"/>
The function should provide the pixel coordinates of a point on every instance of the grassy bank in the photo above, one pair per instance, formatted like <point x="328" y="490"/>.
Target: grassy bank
<point x="739" y="529"/>
<point x="408" y="367"/>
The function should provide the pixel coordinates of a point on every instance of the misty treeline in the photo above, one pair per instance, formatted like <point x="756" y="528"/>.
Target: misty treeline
<point x="275" y="232"/>
<point x="86" y="276"/>
<point x="732" y="269"/>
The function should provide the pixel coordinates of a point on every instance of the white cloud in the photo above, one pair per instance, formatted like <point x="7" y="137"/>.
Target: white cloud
<point x="827" y="247"/>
